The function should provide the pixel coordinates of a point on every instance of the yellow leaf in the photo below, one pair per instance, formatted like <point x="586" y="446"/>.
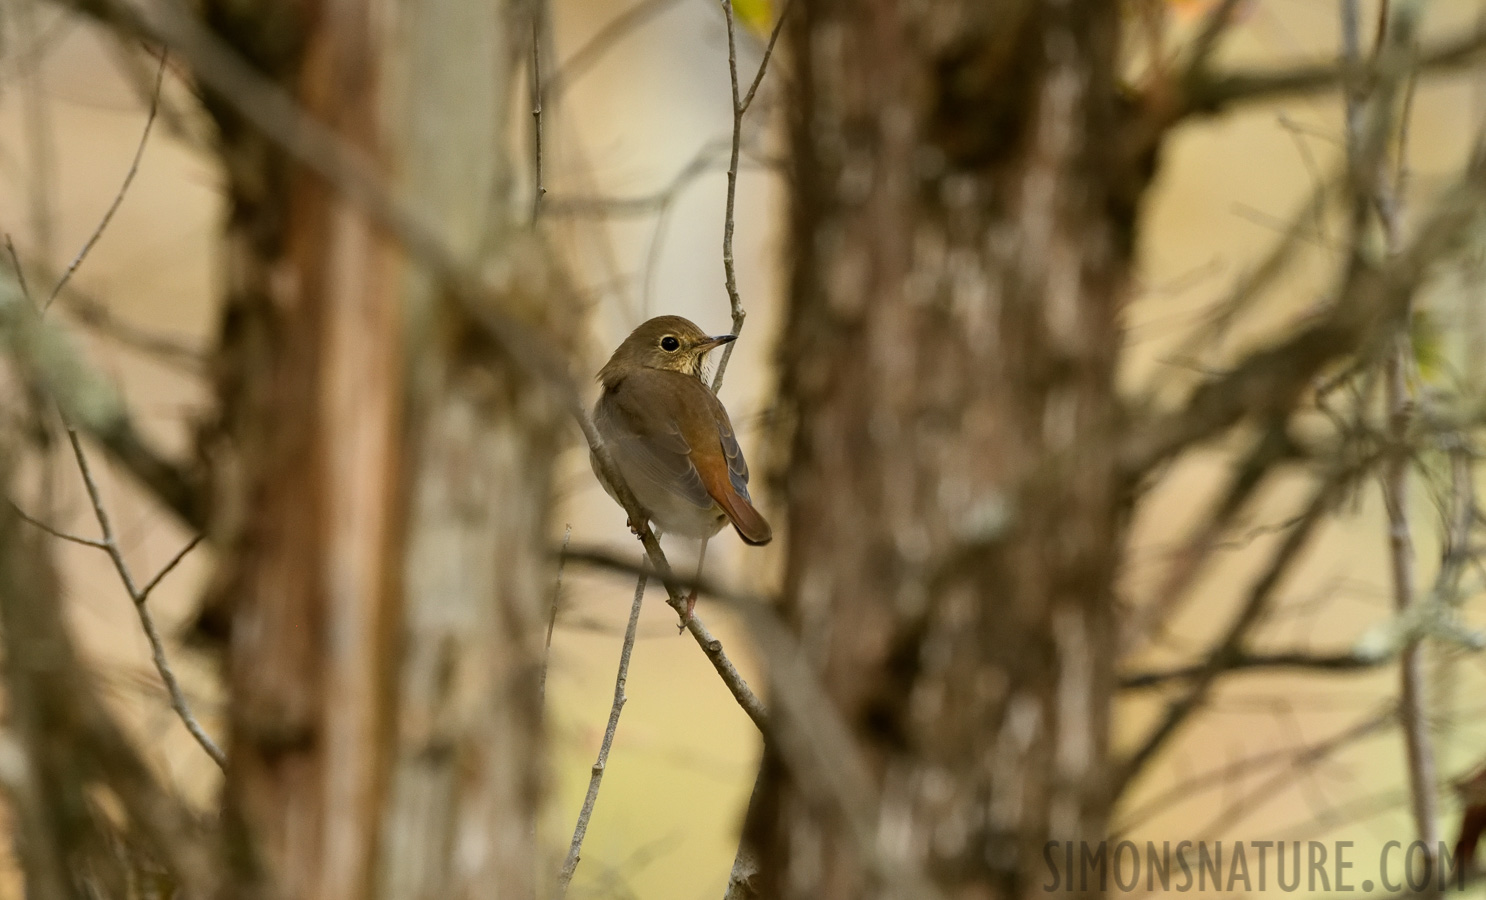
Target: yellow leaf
<point x="755" y="15"/>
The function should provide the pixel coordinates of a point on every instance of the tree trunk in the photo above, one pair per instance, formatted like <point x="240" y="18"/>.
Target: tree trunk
<point x="962" y="223"/>
<point x="381" y="478"/>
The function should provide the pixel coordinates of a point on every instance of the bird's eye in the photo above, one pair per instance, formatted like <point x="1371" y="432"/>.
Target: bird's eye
<point x="670" y="344"/>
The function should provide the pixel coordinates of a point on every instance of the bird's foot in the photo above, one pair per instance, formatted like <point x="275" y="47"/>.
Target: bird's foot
<point x="691" y="604"/>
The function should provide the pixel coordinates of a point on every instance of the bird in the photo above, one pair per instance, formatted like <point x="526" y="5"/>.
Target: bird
<point x="671" y="439"/>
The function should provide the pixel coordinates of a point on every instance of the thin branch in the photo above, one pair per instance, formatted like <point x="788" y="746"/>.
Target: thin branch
<point x="1293" y="660"/>
<point x="140" y="595"/>
<point x="730" y="274"/>
<point x="1214" y="27"/>
<point x="1231" y="645"/>
<point x="92" y="313"/>
<point x="1299" y="765"/>
<point x="1221" y="93"/>
<point x="15" y="264"/>
<point x="1189" y="787"/>
<point x="1271" y="448"/>
<point x="562" y="561"/>
<point x="56" y="533"/>
<point x="808" y="731"/>
<point x="1267" y="384"/>
<point x="169" y="566"/>
<point x="570" y="864"/>
<point x="615" y="30"/>
<point x="1387" y="200"/>
<point x="763" y="65"/>
<point x="118" y="199"/>
<point x="538" y="91"/>
<point x="45" y="355"/>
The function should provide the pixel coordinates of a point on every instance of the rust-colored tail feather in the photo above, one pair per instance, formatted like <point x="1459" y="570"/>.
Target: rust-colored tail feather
<point x="750" y="525"/>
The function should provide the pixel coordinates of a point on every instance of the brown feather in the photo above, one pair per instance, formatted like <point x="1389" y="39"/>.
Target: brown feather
<point x="713" y="467"/>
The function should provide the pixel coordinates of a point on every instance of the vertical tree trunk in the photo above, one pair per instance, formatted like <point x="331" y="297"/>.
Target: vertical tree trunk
<point x="381" y="479"/>
<point x="962" y="226"/>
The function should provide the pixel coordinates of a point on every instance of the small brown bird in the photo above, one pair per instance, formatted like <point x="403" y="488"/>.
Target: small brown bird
<point x="671" y="438"/>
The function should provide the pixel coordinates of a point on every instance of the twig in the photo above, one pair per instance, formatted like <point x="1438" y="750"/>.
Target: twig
<point x="92" y="313"/>
<point x="570" y="864"/>
<point x="45" y="355"/>
<point x="1220" y="93"/>
<point x="41" y="149"/>
<point x="140" y="595"/>
<point x="1230" y="645"/>
<point x="1214" y="27"/>
<point x="1189" y="787"/>
<point x="1412" y="706"/>
<point x="113" y="207"/>
<point x="1267" y="383"/>
<point x="616" y="29"/>
<point x="763" y="65"/>
<point x="15" y="264"/>
<point x="1302" y="660"/>
<point x="538" y="91"/>
<point x="1271" y="448"/>
<point x="809" y="732"/>
<point x="740" y="106"/>
<point x="57" y="533"/>
<point x="730" y="274"/>
<point x="562" y="561"/>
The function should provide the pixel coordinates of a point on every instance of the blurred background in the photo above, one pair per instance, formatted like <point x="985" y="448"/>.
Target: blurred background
<point x="636" y="154"/>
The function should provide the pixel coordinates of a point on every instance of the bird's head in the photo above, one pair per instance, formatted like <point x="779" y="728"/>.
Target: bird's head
<point x="664" y="342"/>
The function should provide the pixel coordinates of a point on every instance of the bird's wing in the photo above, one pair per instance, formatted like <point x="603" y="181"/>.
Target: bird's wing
<point x="719" y="461"/>
<point x="650" y="448"/>
<point x="737" y="465"/>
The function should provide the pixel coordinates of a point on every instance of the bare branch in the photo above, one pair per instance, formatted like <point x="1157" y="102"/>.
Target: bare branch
<point x="1272" y="447"/>
<point x="1209" y="94"/>
<point x="1214" y="27"/>
<point x="807" y="731"/>
<point x="562" y="562"/>
<point x="118" y="199"/>
<point x="1230" y="645"/>
<point x="140" y="595"/>
<point x="730" y="274"/>
<point x="615" y="30"/>
<point x="1395" y="33"/>
<point x="538" y="91"/>
<point x="45" y="355"/>
<point x="1267" y="384"/>
<point x="75" y="539"/>
<point x="1295" y="660"/>
<point x="68" y="739"/>
<point x="570" y="864"/>
<point x="1189" y="787"/>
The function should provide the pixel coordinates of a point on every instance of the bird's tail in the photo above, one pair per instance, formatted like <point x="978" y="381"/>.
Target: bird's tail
<point x="751" y="526"/>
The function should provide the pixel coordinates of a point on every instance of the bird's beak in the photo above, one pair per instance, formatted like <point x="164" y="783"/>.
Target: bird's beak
<point x="717" y="341"/>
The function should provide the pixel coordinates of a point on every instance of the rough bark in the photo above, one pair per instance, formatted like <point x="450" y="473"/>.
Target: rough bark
<point x="380" y="479"/>
<point x="962" y="218"/>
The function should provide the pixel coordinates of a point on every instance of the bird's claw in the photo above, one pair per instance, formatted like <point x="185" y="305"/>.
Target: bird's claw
<point x="691" y="604"/>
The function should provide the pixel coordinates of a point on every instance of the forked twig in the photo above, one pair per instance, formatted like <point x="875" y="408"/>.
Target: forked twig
<point x="740" y="106"/>
<point x="140" y="596"/>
